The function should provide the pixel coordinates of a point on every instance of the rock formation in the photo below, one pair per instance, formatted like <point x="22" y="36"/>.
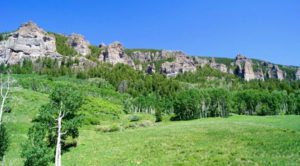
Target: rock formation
<point x="79" y="43"/>
<point x="146" y="56"/>
<point x="29" y="41"/>
<point x="115" y="53"/>
<point x="181" y="64"/>
<point x="298" y="74"/>
<point x="260" y="75"/>
<point x="218" y="66"/>
<point x="83" y="64"/>
<point x="248" y="71"/>
<point x="32" y="42"/>
<point x="276" y="73"/>
<point x="245" y="69"/>
<point x="150" y="69"/>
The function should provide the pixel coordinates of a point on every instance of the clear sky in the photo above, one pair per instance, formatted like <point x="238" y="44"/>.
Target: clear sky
<point x="262" y="29"/>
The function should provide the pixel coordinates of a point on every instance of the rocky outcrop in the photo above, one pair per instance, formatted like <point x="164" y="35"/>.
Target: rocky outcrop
<point x="115" y="53"/>
<point x="201" y="62"/>
<point x="150" y="69"/>
<point x="298" y="74"/>
<point x="218" y="66"/>
<point x="146" y="56"/>
<point x="245" y="69"/>
<point x="259" y="75"/>
<point x="29" y="41"/>
<point x="181" y="64"/>
<point x="276" y="73"/>
<point x="83" y="64"/>
<point x="80" y="45"/>
<point x="248" y="71"/>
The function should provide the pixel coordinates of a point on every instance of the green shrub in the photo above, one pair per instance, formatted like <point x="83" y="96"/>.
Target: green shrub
<point x="62" y="47"/>
<point x="109" y="128"/>
<point x="158" y="116"/>
<point x="96" y="110"/>
<point x="134" y="118"/>
<point x="4" y="140"/>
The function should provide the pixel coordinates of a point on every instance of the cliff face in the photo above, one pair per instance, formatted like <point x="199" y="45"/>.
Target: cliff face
<point x="248" y="71"/>
<point x="79" y="43"/>
<point x="32" y="42"/>
<point x="29" y="41"/>
<point x="115" y="53"/>
<point x="181" y="64"/>
<point x="276" y="73"/>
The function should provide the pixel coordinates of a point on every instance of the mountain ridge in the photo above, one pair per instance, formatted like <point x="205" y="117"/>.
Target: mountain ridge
<point x="32" y="42"/>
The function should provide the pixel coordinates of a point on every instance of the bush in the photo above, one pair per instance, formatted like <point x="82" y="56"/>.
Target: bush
<point x="109" y="128"/>
<point x="134" y="118"/>
<point x="3" y="140"/>
<point x="96" y="110"/>
<point x="62" y="47"/>
<point x="158" y="116"/>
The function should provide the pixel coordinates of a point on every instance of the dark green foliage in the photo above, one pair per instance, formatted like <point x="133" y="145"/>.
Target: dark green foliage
<point x="294" y="103"/>
<point x="225" y="61"/>
<point x="62" y="47"/>
<point x="68" y="101"/>
<point x="4" y="140"/>
<point x="38" y="150"/>
<point x="35" y="150"/>
<point x="3" y="36"/>
<point x="137" y="82"/>
<point x="25" y="68"/>
<point x="194" y="104"/>
<point x="134" y="118"/>
<point x="202" y="74"/>
<point x="95" y="52"/>
<point x="95" y="110"/>
<point x="158" y="116"/>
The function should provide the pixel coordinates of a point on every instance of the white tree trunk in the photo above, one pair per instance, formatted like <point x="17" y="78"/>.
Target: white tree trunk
<point x="4" y="93"/>
<point x="58" y="141"/>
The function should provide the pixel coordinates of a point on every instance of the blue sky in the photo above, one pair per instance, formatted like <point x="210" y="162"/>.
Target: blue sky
<point x="262" y="29"/>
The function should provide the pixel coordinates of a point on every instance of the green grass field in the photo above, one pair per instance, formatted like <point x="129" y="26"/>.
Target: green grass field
<point x="237" y="140"/>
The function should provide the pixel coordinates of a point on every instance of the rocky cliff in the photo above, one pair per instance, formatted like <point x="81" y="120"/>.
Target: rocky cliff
<point x="32" y="42"/>
<point x="29" y="41"/>
<point x="115" y="53"/>
<point x="276" y="73"/>
<point x="79" y="43"/>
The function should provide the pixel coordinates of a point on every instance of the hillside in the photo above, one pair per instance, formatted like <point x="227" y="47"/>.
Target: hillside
<point x="235" y="140"/>
<point x="106" y="104"/>
<point x="31" y="42"/>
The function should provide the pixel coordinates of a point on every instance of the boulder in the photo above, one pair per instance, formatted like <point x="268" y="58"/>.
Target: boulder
<point x="80" y="45"/>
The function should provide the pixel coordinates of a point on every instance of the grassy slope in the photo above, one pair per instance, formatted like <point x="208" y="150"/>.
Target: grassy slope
<point x="25" y="105"/>
<point x="238" y="140"/>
